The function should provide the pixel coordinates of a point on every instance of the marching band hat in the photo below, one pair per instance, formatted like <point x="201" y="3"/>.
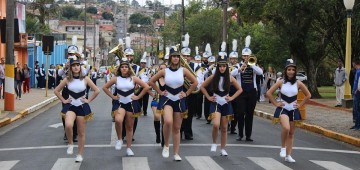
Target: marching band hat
<point x="246" y="50"/>
<point x="124" y="60"/>
<point x="128" y="50"/>
<point x="290" y="62"/>
<point x="74" y="60"/>
<point x="186" y="50"/>
<point x="211" y="59"/>
<point x="234" y="53"/>
<point x="222" y="59"/>
<point x="197" y="56"/>
<point x="223" y="49"/>
<point x="207" y="53"/>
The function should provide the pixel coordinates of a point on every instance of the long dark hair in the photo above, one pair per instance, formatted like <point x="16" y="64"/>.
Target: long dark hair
<point x="216" y="79"/>
<point x="287" y="79"/>
<point x="118" y="71"/>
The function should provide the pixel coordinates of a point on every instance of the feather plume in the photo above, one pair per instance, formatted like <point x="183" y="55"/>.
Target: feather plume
<point x="223" y="46"/>
<point x="128" y="42"/>
<point x="80" y="50"/>
<point x="167" y="51"/>
<point x="144" y="55"/>
<point x="186" y="41"/>
<point x="121" y="42"/>
<point x="247" y="41"/>
<point x="234" y="45"/>
<point x="197" y="50"/>
<point x="208" y="49"/>
<point x="74" y="40"/>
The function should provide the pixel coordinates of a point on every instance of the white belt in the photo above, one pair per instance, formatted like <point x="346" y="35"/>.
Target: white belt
<point x="173" y="97"/>
<point x="220" y="100"/>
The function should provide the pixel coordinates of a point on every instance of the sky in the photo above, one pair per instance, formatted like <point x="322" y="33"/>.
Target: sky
<point x="166" y="2"/>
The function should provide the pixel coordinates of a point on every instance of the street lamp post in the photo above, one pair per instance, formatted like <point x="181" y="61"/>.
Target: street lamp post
<point x="139" y="26"/>
<point x="349" y="4"/>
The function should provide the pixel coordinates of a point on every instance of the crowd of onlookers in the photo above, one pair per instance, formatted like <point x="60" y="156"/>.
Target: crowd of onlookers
<point x="265" y="81"/>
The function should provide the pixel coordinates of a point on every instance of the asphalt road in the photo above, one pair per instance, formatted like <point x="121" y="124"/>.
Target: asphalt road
<point x="36" y="145"/>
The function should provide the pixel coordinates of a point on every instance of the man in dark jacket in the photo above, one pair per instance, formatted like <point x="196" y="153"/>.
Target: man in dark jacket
<point x="19" y="77"/>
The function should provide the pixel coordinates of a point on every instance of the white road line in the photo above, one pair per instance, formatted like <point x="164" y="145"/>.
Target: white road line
<point x="185" y="145"/>
<point x="135" y="163"/>
<point x="203" y="162"/>
<point x="268" y="163"/>
<point x="7" y="165"/>
<point x="66" y="163"/>
<point x="330" y="165"/>
<point x="113" y="134"/>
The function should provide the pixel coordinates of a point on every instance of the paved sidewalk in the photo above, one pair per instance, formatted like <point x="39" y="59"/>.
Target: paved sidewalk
<point x="323" y="114"/>
<point x="29" y="103"/>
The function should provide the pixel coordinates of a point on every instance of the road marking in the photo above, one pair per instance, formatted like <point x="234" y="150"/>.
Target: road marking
<point x="203" y="162"/>
<point x="330" y="165"/>
<point x="56" y="125"/>
<point x="268" y="163"/>
<point x="114" y="137"/>
<point x="7" y="165"/>
<point x="135" y="163"/>
<point x="185" y="145"/>
<point x="66" y="163"/>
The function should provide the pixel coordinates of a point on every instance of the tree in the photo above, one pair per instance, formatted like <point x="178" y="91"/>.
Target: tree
<point x="46" y="8"/>
<point x="108" y="16"/>
<point x="135" y="3"/>
<point x="92" y="10"/>
<point x="139" y="18"/>
<point x="156" y="15"/>
<point x="70" y="12"/>
<point x="33" y="26"/>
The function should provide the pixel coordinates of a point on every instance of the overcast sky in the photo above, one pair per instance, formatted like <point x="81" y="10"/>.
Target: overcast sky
<point x="166" y="2"/>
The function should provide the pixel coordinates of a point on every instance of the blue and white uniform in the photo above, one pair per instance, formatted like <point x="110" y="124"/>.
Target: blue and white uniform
<point x="77" y="88"/>
<point x="288" y="93"/>
<point x="221" y="105"/>
<point x="174" y="81"/>
<point x="125" y="90"/>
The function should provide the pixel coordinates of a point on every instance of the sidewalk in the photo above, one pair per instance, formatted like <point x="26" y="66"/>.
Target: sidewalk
<point x="29" y="103"/>
<point x="323" y="118"/>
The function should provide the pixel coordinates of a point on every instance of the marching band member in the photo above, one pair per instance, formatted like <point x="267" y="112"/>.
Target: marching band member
<point x="220" y="108"/>
<point x="72" y="52"/>
<point x="125" y="102"/>
<point x="287" y="112"/>
<point x="208" y="71"/>
<point x="144" y="75"/>
<point x="233" y="65"/>
<point x="206" y="55"/>
<point x="76" y="107"/>
<point x="199" y="71"/>
<point x="248" y="98"/>
<point x="52" y="75"/>
<point x="172" y="100"/>
<point x="129" y="53"/>
<point x="186" y="126"/>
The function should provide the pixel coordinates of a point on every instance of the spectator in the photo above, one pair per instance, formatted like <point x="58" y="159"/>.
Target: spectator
<point x="26" y="83"/>
<point x="19" y="77"/>
<point x="352" y="75"/>
<point x="42" y="76"/>
<point x="94" y="75"/>
<point x="57" y="77"/>
<point x="339" y="81"/>
<point x="270" y="78"/>
<point x="356" y="93"/>
<point x="2" y="76"/>
<point x="51" y="77"/>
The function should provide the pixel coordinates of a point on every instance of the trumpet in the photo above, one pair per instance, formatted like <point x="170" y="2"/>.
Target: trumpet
<point x="251" y="61"/>
<point x="119" y="52"/>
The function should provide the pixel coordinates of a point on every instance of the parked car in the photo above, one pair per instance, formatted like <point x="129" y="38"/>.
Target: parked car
<point x="301" y="77"/>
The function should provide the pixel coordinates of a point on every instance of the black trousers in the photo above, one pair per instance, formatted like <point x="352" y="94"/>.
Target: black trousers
<point x="206" y="108"/>
<point x="144" y="102"/>
<point x="51" y="82"/>
<point x="65" y="95"/>
<point x="199" y="103"/>
<point x="235" y="105"/>
<point x="186" y="125"/>
<point x="247" y="104"/>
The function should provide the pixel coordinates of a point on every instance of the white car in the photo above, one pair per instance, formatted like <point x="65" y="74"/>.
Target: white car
<point x="301" y="77"/>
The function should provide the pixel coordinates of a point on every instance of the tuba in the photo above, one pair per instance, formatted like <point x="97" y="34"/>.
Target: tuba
<point x="119" y="52"/>
<point x="187" y="82"/>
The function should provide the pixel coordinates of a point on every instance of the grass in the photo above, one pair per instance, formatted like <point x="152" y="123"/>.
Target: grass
<point x="327" y="92"/>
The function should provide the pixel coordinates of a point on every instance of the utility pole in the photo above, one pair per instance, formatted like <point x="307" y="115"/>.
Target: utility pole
<point x="9" y="61"/>
<point x="182" y="20"/>
<point x="94" y="59"/>
<point x="85" y="52"/>
<point x="224" y="34"/>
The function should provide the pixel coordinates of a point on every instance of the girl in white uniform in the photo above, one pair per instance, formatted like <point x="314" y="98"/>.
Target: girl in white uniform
<point x="76" y="106"/>
<point x="221" y="110"/>
<point x="125" y="102"/>
<point x="287" y="112"/>
<point x="172" y="100"/>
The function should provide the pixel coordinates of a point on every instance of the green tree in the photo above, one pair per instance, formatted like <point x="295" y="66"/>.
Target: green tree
<point x="156" y="15"/>
<point x="70" y="12"/>
<point x="108" y="16"/>
<point x="46" y="8"/>
<point x="92" y="10"/>
<point x="139" y="18"/>
<point x="33" y="26"/>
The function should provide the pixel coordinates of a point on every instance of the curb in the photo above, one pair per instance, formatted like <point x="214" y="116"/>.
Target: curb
<point x="7" y="120"/>
<point x="317" y="129"/>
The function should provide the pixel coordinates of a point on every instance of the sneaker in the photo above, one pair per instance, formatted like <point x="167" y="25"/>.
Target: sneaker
<point x="70" y="149"/>
<point x="177" y="158"/>
<point x="289" y="159"/>
<point x="118" y="144"/>
<point x="129" y="152"/>
<point x="79" y="158"/>
<point x="213" y="147"/>
<point x="283" y="152"/>
<point x="19" y="98"/>
<point x="165" y="152"/>
<point x="223" y="152"/>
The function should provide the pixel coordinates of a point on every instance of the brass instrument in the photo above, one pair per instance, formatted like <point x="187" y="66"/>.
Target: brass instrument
<point x="119" y="52"/>
<point x="251" y="61"/>
<point x="187" y="82"/>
